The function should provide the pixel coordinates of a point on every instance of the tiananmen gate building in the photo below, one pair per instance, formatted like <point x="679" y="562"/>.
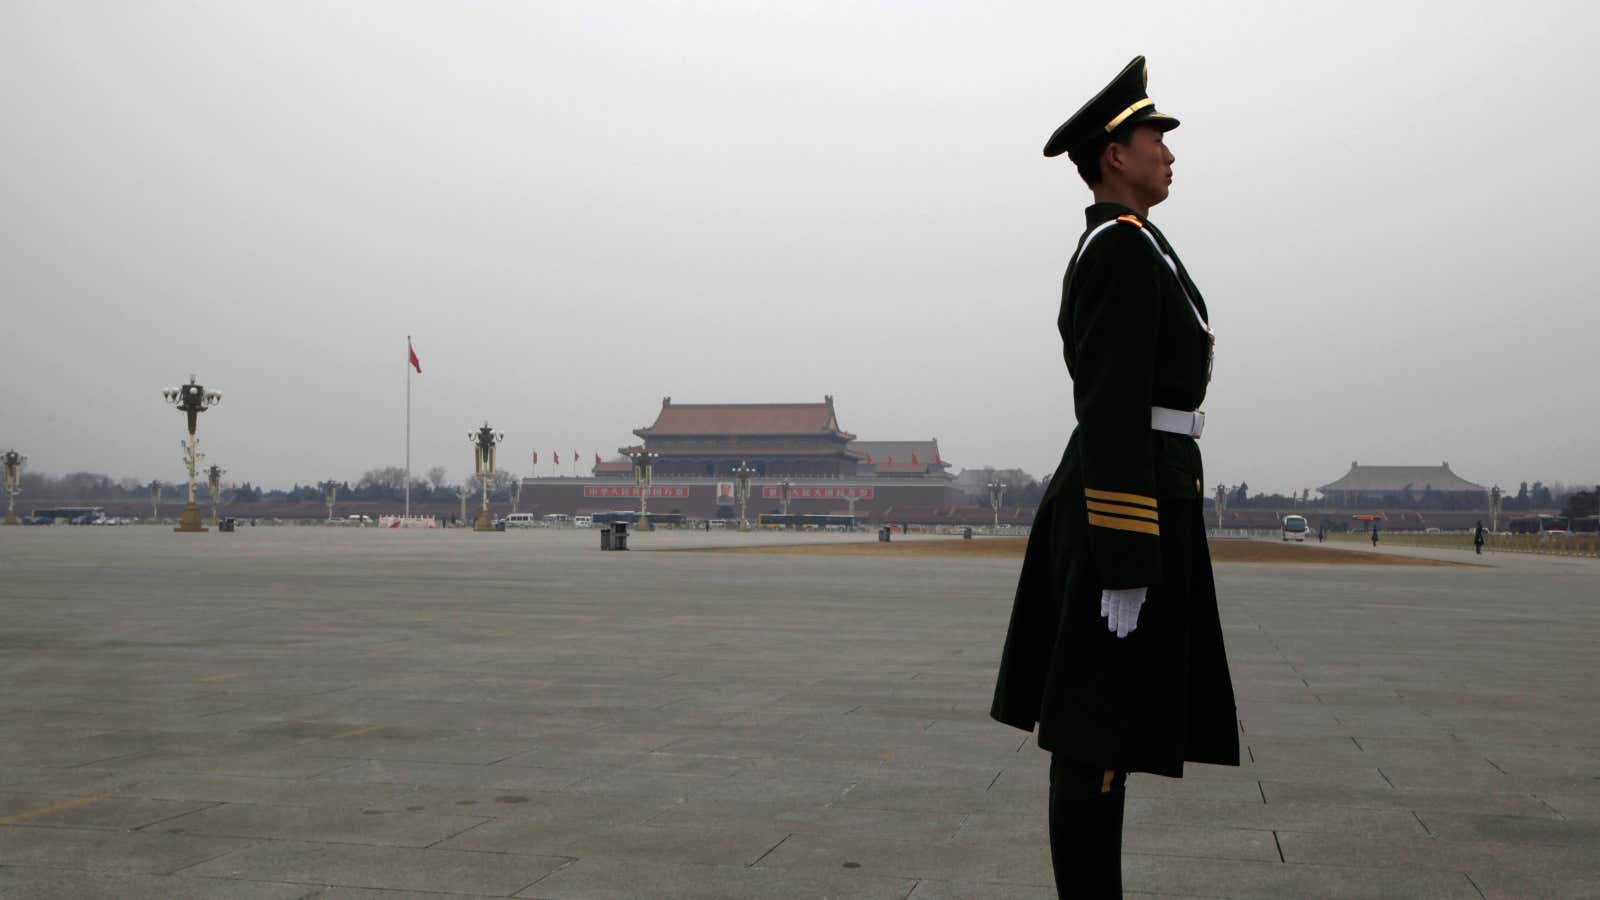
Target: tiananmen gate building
<point x="828" y="470"/>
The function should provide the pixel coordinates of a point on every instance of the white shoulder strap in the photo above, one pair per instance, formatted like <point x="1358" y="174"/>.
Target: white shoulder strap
<point x="1155" y="245"/>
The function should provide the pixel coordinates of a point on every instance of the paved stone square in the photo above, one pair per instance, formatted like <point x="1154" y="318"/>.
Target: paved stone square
<point x="315" y="712"/>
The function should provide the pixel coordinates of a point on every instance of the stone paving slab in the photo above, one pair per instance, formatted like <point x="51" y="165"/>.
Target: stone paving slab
<point x="318" y="823"/>
<point x="37" y="883"/>
<point x="610" y="879"/>
<point x="356" y="713"/>
<point x="109" y="851"/>
<point x="385" y="868"/>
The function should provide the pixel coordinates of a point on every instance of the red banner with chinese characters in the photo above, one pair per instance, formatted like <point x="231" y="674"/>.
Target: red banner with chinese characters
<point x="633" y="491"/>
<point x="801" y="492"/>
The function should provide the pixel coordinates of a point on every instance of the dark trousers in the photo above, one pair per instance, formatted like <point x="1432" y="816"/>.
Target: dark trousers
<point x="1086" y="829"/>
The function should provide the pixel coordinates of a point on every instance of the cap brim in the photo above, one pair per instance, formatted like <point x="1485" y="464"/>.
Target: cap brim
<point x="1058" y="143"/>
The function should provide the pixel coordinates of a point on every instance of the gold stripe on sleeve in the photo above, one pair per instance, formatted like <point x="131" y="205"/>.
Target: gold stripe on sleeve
<point x="1121" y="510"/>
<point x="1115" y="497"/>
<point x="1125" y="524"/>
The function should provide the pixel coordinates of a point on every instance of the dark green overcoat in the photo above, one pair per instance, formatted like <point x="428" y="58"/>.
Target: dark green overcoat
<point x="1123" y="510"/>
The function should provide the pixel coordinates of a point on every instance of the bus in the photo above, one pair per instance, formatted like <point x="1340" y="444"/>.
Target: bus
<point x="1295" y="529"/>
<point x="1539" y="525"/>
<point x="632" y="518"/>
<point x="72" y="515"/>
<point x="807" y="520"/>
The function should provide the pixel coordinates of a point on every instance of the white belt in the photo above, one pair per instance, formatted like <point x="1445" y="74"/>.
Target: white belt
<point x="1177" y="421"/>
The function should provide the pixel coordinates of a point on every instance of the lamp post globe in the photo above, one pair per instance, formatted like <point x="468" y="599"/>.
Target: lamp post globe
<point x="12" y="462"/>
<point x="484" y="441"/>
<point x="214" y="475"/>
<point x="191" y="399"/>
<point x="330" y="495"/>
<point x="997" y="496"/>
<point x="644" y="462"/>
<point x="741" y="489"/>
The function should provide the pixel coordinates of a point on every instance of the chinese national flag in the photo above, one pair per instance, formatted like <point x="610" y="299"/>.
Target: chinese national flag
<point x="891" y="460"/>
<point x="411" y="352"/>
<point x="597" y="459"/>
<point x="556" y="455"/>
<point x="937" y="461"/>
<point x="536" y="457"/>
<point x="574" y="457"/>
<point x="914" y="461"/>
<point x="869" y="459"/>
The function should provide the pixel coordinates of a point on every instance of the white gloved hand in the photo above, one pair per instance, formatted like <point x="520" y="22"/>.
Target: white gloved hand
<point x="1120" y="609"/>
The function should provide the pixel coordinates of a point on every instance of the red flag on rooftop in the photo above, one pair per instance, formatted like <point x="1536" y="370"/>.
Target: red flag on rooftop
<point x="914" y="461"/>
<point x="574" y="457"/>
<point x="536" y="457"/>
<point x="869" y="459"/>
<point x="597" y="459"/>
<point x="412" y="353"/>
<point x="891" y="459"/>
<point x="556" y="455"/>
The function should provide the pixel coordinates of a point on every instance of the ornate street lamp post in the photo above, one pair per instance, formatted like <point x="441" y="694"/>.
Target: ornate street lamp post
<point x="741" y="489"/>
<point x="644" y="462"/>
<point x="12" y="460"/>
<point x="483" y="444"/>
<point x="155" y="501"/>
<point x="783" y="497"/>
<point x="1222" y="503"/>
<point x="997" y="498"/>
<point x="1495" y="496"/>
<point x="192" y="399"/>
<point x="214" y="487"/>
<point x="463" y="493"/>
<point x="330" y="494"/>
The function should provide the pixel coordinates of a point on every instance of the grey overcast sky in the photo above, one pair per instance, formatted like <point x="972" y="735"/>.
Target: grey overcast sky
<point x="577" y="208"/>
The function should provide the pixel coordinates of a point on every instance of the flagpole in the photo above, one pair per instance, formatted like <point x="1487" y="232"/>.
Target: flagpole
<point x="408" y="424"/>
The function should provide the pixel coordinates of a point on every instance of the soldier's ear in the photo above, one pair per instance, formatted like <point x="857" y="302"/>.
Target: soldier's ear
<point x="1112" y="158"/>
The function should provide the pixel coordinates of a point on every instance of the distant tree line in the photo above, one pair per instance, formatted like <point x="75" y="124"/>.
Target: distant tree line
<point x="386" y="483"/>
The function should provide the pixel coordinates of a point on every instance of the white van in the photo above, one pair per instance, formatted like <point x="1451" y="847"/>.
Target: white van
<point x="1295" y="529"/>
<point x="583" y="521"/>
<point x="520" y="520"/>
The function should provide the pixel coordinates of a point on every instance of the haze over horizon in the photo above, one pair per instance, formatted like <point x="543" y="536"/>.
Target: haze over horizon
<point x="578" y="208"/>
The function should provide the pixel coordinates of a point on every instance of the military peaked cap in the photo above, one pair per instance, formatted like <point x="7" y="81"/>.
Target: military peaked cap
<point x="1122" y="101"/>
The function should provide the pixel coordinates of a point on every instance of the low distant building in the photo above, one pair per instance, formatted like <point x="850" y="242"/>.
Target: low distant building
<point x="1410" y="483"/>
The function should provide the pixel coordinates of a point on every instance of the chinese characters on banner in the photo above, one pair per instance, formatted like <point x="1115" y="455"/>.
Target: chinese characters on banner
<point x="633" y="491"/>
<point x="797" y="492"/>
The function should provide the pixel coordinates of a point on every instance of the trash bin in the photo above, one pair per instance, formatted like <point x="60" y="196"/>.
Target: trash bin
<point x="966" y="533"/>
<point x="605" y="537"/>
<point x="619" y="535"/>
<point x="883" y="534"/>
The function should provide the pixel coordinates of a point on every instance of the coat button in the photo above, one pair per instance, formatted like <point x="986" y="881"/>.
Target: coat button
<point x="1197" y="485"/>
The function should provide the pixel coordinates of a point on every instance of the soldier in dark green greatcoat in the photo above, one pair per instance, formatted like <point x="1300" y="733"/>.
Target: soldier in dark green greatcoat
<point x="1114" y="649"/>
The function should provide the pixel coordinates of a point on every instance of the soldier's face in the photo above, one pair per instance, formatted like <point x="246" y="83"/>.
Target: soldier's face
<point x="1145" y="165"/>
